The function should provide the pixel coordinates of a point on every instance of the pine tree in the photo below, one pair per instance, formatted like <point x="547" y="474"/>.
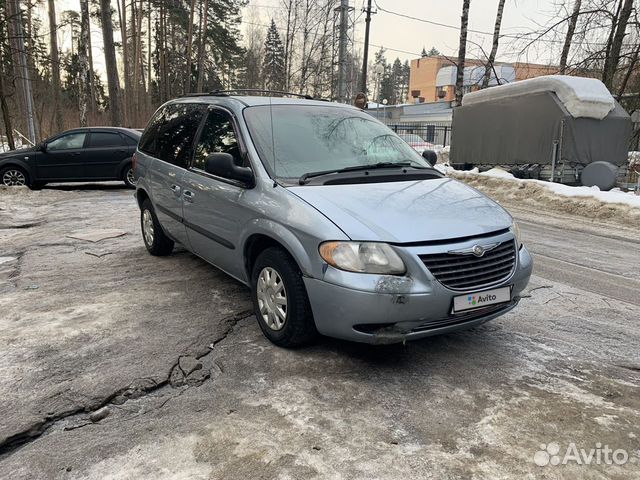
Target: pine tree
<point x="397" y="82"/>
<point x="273" y="66"/>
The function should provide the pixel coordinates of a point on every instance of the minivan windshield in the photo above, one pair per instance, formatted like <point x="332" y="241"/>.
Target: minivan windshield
<point x="310" y="138"/>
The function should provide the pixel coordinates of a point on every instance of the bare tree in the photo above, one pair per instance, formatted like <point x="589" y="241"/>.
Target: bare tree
<point x="612" y="60"/>
<point x="573" y="20"/>
<point x="462" y="52"/>
<point x="494" y="49"/>
<point x="110" y="63"/>
<point x="55" y="66"/>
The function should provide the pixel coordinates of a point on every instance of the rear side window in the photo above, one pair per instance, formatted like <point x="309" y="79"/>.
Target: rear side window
<point x="67" y="142"/>
<point x="104" y="139"/>
<point x="171" y="131"/>
<point x="130" y="141"/>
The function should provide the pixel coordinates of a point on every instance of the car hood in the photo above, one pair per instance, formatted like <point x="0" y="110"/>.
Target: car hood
<point x="17" y="152"/>
<point x="405" y="212"/>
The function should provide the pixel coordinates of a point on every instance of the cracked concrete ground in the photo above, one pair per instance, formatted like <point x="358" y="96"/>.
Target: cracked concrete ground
<point x="115" y="364"/>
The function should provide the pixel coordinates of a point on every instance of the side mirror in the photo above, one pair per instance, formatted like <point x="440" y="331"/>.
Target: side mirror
<point x="42" y="147"/>
<point x="430" y="156"/>
<point x="222" y="165"/>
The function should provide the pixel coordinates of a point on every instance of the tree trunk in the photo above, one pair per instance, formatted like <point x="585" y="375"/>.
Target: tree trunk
<point x="187" y="83"/>
<point x="201" y="49"/>
<point x="569" y="36"/>
<point x="462" y="52"/>
<point x="110" y="63"/>
<point x="630" y="69"/>
<point x="149" y="60"/>
<point x="6" y="117"/>
<point x="13" y="49"/>
<point x="136" y="29"/>
<point x="612" y="32"/>
<point x="55" y="67"/>
<point x="84" y="92"/>
<point x="612" y="60"/>
<point x="494" y="49"/>
<point x="93" y="98"/>
<point x="125" y="61"/>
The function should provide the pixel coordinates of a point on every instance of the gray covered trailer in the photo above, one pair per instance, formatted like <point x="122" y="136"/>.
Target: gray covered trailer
<point x="547" y="127"/>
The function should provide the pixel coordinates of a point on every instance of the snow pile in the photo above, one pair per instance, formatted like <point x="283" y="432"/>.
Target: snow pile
<point x="614" y="195"/>
<point x="589" y="202"/>
<point x="443" y="153"/>
<point x="498" y="172"/>
<point x="582" y="97"/>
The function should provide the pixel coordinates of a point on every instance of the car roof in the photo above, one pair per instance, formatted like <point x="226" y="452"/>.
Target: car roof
<point x="253" y="100"/>
<point x="129" y="131"/>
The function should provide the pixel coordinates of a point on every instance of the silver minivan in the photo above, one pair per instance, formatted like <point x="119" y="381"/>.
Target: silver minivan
<point x="335" y="223"/>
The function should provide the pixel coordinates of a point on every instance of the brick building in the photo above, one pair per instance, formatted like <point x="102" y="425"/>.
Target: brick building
<point x="433" y="79"/>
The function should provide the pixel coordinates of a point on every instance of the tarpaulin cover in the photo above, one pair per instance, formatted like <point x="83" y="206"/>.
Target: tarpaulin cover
<point x="522" y="129"/>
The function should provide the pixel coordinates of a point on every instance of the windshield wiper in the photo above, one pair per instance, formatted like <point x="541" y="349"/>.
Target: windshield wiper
<point x="303" y="179"/>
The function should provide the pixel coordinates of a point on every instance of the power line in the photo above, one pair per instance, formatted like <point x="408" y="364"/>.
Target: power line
<point x="416" y="54"/>
<point x="480" y="32"/>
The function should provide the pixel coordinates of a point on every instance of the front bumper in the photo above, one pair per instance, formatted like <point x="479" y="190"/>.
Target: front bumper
<point x="394" y="309"/>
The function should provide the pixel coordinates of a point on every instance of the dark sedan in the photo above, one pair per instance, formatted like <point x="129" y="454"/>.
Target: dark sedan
<point x="79" y="155"/>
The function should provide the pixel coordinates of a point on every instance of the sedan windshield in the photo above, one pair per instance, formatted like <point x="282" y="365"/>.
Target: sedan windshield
<point x="293" y="140"/>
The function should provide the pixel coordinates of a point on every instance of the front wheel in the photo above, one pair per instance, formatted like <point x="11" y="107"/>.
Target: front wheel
<point x="155" y="239"/>
<point x="14" y="177"/>
<point x="280" y="300"/>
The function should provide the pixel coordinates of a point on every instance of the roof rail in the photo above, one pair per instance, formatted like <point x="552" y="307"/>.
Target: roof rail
<point x="222" y="93"/>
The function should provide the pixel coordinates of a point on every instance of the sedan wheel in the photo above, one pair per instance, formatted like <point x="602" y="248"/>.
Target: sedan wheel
<point x="14" y="178"/>
<point x="272" y="298"/>
<point x="129" y="178"/>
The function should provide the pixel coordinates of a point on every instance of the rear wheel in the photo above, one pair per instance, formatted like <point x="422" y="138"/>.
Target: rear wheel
<point x="128" y="176"/>
<point x="155" y="239"/>
<point x="280" y="300"/>
<point x="14" y="177"/>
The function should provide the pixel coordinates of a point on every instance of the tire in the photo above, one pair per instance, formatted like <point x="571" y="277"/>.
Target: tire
<point x="13" y="176"/>
<point x="297" y="327"/>
<point x="127" y="176"/>
<point x="156" y="241"/>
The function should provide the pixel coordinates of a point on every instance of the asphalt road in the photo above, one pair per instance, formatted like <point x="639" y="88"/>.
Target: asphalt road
<point x="114" y="364"/>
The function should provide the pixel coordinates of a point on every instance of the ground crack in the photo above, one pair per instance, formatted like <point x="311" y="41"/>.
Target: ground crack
<point x="138" y="388"/>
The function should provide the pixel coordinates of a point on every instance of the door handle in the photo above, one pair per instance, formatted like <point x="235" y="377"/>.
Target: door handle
<point x="175" y="189"/>
<point x="188" y="195"/>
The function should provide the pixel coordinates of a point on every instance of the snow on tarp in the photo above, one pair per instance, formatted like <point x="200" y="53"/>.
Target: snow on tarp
<point x="582" y="97"/>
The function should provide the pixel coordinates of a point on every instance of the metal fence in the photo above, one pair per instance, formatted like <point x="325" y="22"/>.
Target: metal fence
<point x="437" y="133"/>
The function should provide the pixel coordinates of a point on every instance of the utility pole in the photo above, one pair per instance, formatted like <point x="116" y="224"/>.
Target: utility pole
<point x="342" y="51"/>
<point x="365" y="59"/>
<point x="26" y="77"/>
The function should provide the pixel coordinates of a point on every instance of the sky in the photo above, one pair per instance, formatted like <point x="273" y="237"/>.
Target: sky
<point x="404" y="37"/>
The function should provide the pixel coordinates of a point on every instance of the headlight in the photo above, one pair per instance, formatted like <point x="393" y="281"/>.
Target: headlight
<point x="516" y="232"/>
<point x="362" y="257"/>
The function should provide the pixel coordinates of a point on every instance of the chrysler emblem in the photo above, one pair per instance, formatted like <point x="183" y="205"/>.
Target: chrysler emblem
<point x="477" y="250"/>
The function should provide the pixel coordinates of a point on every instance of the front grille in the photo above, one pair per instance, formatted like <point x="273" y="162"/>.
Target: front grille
<point x="466" y="272"/>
